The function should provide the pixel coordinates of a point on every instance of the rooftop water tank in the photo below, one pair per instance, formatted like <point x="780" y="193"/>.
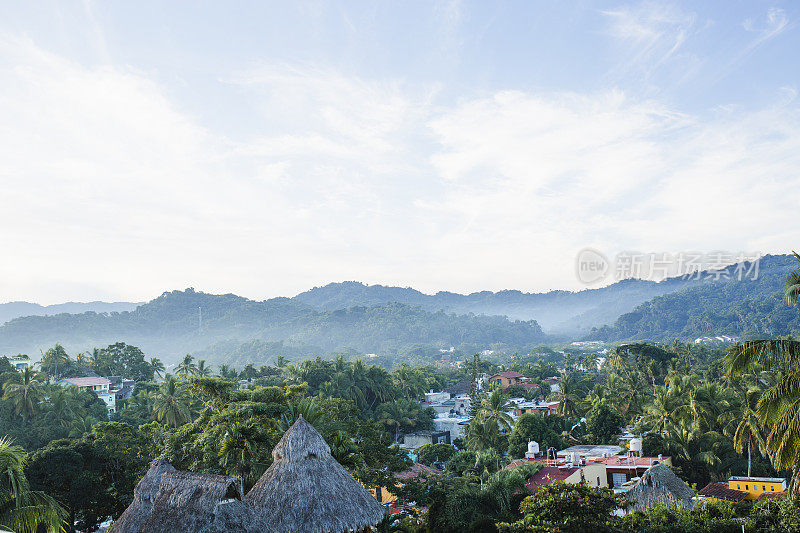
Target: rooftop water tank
<point x="636" y="445"/>
<point x="533" y="447"/>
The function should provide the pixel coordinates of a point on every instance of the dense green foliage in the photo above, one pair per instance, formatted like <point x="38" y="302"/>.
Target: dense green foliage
<point x="171" y="325"/>
<point x="747" y="308"/>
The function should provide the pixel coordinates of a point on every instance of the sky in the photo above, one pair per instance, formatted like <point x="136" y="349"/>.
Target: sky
<point x="263" y="148"/>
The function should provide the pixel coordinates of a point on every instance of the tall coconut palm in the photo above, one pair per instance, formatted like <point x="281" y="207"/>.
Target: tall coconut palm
<point x="409" y="382"/>
<point x="158" y="367"/>
<point x="60" y="407"/>
<point x="186" y="367"/>
<point x="24" y="390"/>
<point x="21" y="509"/>
<point x="171" y="404"/>
<point x="570" y="393"/>
<point x="749" y="431"/>
<point x="397" y="415"/>
<point x="779" y="406"/>
<point x="496" y="410"/>
<point x="202" y="369"/>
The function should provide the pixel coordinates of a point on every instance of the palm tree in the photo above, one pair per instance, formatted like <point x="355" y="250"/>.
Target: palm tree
<point x="25" y="393"/>
<point x="570" y="393"/>
<point x="55" y="361"/>
<point x="237" y="450"/>
<point x="226" y="372"/>
<point x="60" y="409"/>
<point x="664" y="411"/>
<point x="186" y="366"/>
<point x="82" y="359"/>
<point x="779" y="406"/>
<point x="409" y="382"/>
<point x="749" y="432"/>
<point x="202" y="370"/>
<point x="80" y="426"/>
<point x="21" y="509"/>
<point x="157" y="366"/>
<point x="397" y="415"/>
<point x="495" y="409"/>
<point x="171" y="404"/>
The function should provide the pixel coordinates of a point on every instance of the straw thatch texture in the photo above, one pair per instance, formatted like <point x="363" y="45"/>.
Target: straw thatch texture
<point x="660" y="485"/>
<point x="144" y="495"/>
<point x="307" y="491"/>
<point x="191" y="502"/>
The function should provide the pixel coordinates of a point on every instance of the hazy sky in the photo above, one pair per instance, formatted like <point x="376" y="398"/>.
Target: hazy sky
<point x="263" y="148"/>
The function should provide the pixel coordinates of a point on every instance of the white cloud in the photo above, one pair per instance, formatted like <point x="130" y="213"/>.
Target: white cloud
<point x="108" y="188"/>
<point x="653" y="35"/>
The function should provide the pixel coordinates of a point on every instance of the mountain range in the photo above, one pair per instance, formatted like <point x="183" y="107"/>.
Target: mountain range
<point x="391" y="320"/>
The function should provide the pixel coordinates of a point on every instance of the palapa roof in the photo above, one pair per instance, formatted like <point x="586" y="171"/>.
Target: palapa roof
<point x="307" y="491"/>
<point x="169" y="500"/>
<point x="144" y="495"/>
<point x="660" y="485"/>
<point x="192" y="502"/>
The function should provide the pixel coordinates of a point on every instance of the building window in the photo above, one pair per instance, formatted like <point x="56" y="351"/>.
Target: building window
<point x="598" y="481"/>
<point x="738" y="486"/>
<point x="763" y="487"/>
<point x="747" y="487"/>
<point x="772" y="488"/>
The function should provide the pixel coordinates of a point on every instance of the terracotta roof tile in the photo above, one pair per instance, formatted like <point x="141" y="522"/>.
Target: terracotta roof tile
<point x="721" y="491"/>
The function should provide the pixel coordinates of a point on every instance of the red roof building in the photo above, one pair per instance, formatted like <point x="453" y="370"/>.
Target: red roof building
<point x="549" y="474"/>
<point x="720" y="491"/>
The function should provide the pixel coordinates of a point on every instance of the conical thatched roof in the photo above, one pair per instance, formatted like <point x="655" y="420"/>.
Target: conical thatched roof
<point x="660" y="485"/>
<point x="168" y="500"/>
<point x="192" y="502"/>
<point x="144" y="495"/>
<point x="307" y="491"/>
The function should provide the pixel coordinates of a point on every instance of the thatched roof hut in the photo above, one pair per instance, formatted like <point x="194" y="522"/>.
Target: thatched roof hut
<point x="169" y="500"/>
<point x="144" y="495"/>
<point x="192" y="502"/>
<point x="307" y="491"/>
<point x="660" y="485"/>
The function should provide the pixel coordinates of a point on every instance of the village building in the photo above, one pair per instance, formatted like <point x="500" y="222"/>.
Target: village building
<point x="455" y="425"/>
<point x="510" y="379"/>
<point x="536" y="407"/>
<point x="740" y="488"/>
<point x="304" y="491"/>
<point x="98" y="385"/>
<point x="592" y="474"/>
<point x="412" y="441"/>
<point x="20" y="362"/>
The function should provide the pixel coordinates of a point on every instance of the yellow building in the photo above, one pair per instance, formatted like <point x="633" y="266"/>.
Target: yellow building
<point x="756" y="486"/>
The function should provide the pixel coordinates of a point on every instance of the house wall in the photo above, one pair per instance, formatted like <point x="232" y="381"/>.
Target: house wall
<point x="753" y="488"/>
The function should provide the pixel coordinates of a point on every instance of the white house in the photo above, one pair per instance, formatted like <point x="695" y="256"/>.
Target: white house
<point x="100" y="386"/>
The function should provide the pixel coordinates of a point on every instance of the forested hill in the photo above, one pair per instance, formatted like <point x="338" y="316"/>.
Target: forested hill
<point x="171" y="325"/>
<point x="11" y="310"/>
<point x="557" y="311"/>
<point x="747" y="308"/>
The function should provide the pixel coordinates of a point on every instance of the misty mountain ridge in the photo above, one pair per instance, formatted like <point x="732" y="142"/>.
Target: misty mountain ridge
<point x="352" y="316"/>
<point x="11" y="310"/>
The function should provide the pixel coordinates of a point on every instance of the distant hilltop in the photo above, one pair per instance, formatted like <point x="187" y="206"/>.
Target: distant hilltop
<point x="13" y="310"/>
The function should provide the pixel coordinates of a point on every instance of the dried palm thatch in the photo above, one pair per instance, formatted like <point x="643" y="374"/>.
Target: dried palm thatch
<point x="192" y="502"/>
<point x="144" y="495"/>
<point x="307" y="491"/>
<point x="168" y="500"/>
<point x="660" y="485"/>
